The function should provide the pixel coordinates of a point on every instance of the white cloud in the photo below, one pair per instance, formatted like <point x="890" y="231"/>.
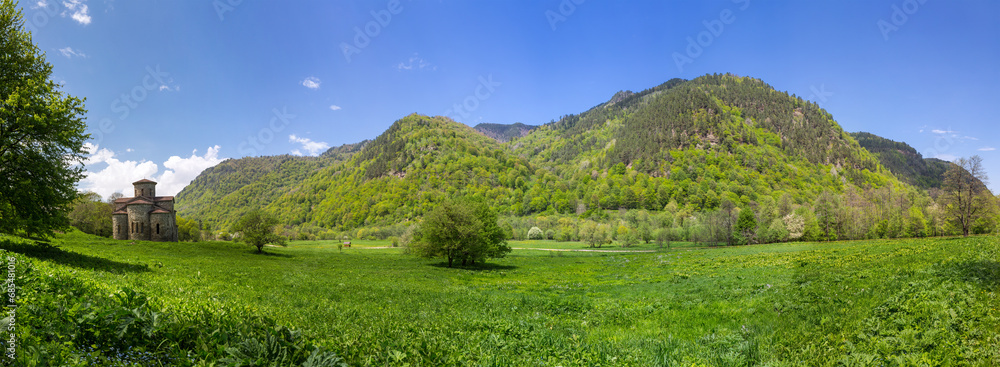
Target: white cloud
<point x="69" y="52"/>
<point x="311" y="82"/>
<point x="415" y="62"/>
<point x="77" y="10"/>
<point x="169" y="89"/>
<point x="118" y="175"/>
<point x="987" y="149"/>
<point x="939" y="131"/>
<point x="334" y="107"/>
<point x="312" y="147"/>
<point x="40" y="4"/>
<point x="181" y="171"/>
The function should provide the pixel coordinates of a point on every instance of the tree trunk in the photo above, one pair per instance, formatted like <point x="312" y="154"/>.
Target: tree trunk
<point x="260" y="249"/>
<point x="449" y="261"/>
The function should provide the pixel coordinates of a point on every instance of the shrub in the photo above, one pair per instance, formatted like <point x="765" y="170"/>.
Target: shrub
<point x="535" y="233"/>
<point x="550" y="234"/>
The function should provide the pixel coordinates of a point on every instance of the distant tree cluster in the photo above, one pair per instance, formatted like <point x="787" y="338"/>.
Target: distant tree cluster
<point x="92" y="215"/>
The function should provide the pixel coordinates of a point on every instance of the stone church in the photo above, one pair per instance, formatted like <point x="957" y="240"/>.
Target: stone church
<point x="145" y="216"/>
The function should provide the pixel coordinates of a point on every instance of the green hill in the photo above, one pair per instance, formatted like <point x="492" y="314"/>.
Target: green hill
<point x="233" y="187"/>
<point x="904" y="161"/>
<point x="689" y="146"/>
<point x="419" y="160"/>
<point x="699" y="142"/>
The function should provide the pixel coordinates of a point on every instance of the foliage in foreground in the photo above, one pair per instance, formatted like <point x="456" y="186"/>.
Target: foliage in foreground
<point x="64" y="321"/>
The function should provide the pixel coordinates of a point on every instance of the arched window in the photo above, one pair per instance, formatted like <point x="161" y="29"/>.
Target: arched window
<point x="157" y="228"/>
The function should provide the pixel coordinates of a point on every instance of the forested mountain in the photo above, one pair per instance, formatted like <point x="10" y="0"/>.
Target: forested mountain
<point x="904" y="161"/>
<point x="503" y="132"/>
<point x="679" y="156"/>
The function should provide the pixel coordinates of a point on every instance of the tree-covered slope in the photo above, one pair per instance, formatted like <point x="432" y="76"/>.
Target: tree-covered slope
<point x="688" y="146"/>
<point x="904" y="161"/>
<point x="697" y="143"/>
<point x="418" y="161"/>
<point x="503" y="132"/>
<point x="223" y="192"/>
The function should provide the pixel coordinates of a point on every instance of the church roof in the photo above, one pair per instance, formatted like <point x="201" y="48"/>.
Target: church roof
<point x="120" y="211"/>
<point x="144" y="181"/>
<point x="159" y="210"/>
<point x="163" y="198"/>
<point x="139" y="200"/>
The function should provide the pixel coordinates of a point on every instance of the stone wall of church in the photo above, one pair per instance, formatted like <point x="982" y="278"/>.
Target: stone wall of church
<point x="168" y="205"/>
<point x="119" y="226"/>
<point x="138" y="220"/>
<point x="145" y="189"/>
<point x="161" y="227"/>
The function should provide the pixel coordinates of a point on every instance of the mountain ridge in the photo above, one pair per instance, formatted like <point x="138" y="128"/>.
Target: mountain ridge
<point x="691" y="144"/>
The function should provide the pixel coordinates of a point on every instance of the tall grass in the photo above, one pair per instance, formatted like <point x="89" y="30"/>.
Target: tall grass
<point x="902" y="302"/>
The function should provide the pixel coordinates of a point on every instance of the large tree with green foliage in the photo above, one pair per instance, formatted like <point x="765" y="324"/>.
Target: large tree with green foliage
<point x="41" y="135"/>
<point x="966" y="197"/>
<point x="461" y="230"/>
<point x="256" y="228"/>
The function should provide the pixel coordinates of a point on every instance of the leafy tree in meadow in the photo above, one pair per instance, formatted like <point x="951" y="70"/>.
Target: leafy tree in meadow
<point x="631" y="238"/>
<point x="256" y="228"/>
<point x="746" y="228"/>
<point x="461" y="230"/>
<point x="965" y="195"/>
<point x="41" y="135"/>
<point x="794" y="226"/>
<point x="535" y="233"/>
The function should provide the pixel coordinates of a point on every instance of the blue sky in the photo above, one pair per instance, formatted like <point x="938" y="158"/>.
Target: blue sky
<point x="173" y="87"/>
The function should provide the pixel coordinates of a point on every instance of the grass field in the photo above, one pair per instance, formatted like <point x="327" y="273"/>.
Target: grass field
<point x="526" y="244"/>
<point x="892" y="302"/>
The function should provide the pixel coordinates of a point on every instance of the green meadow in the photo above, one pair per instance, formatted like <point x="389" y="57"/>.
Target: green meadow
<point x="85" y="300"/>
